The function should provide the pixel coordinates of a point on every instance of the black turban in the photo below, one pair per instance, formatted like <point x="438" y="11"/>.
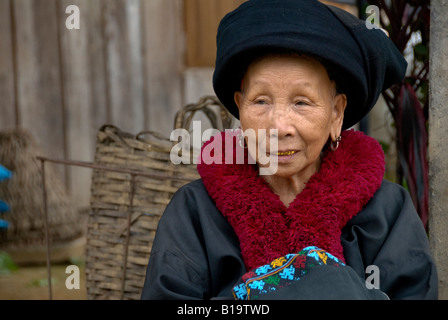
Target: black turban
<point x="363" y="61"/>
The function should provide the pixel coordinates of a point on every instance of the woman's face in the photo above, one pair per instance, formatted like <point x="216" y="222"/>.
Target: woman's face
<point x="294" y="95"/>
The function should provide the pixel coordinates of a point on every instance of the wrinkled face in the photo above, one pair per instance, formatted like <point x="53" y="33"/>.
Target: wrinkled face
<point x="294" y="95"/>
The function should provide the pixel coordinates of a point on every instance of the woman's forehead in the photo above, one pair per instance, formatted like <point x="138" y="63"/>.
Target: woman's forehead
<point x="303" y="69"/>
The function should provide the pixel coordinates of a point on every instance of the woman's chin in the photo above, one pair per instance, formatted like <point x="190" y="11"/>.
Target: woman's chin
<point x="289" y="170"/>
<point x="279" y="170"/>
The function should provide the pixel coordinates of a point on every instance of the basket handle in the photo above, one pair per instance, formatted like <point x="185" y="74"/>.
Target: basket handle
<point x="116" y="134"/>
<point x="185" y="115"/>
<point x="160" y="142"/>
<point x="139" y="136"/>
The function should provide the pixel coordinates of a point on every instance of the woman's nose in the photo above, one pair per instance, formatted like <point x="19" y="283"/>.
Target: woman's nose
<point x="281" y="120"/>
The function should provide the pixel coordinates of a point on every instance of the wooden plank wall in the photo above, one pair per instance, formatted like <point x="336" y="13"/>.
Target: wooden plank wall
<point x="202" y="19"/>
<point x="123" y="67"/>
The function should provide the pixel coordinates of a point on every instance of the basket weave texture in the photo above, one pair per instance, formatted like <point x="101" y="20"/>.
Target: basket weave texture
<point x="126" y="207"/>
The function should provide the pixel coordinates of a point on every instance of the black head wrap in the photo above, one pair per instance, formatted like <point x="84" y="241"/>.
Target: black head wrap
<point x="363" y="61"/>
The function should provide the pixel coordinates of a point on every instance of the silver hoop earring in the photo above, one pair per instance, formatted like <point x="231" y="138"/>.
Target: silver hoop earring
<point x="334" y="145"/>
<point x="241" y="141"/>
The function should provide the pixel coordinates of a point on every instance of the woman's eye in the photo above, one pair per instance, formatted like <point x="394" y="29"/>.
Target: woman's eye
<point x="260" y="102"/>
<point x="302" y="103"/>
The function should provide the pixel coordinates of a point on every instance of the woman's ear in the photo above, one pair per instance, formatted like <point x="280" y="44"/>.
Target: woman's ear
<point x="339" y="105"/>
<point x="238" y="98"/>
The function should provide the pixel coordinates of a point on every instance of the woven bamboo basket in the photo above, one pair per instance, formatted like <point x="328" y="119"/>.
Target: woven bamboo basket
<point x="128" y="201"/>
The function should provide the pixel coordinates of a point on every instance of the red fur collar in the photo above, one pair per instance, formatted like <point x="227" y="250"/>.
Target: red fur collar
<point x="347" y="180"/>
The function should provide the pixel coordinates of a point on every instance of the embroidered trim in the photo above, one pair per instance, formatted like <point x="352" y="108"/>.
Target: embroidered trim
<point x="281" y="273"/>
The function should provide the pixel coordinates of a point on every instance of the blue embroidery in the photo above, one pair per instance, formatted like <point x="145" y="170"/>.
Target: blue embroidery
<point x="282" y="272"/>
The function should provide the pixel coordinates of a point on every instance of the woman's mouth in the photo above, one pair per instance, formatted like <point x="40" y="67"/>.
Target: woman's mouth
<point x="286" y="153"/>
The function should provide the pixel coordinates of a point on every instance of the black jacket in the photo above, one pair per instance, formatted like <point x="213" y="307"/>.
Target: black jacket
<point x="196" y="253"/>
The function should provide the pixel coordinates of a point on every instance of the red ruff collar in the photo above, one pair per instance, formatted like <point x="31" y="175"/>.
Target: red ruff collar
<point x="347" y="180"/>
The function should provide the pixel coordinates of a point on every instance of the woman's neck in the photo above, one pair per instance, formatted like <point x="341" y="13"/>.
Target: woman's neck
<point x="287" y="188"/>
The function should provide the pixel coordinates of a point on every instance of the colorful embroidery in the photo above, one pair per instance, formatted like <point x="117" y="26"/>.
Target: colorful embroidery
<point x="281" y="272"/>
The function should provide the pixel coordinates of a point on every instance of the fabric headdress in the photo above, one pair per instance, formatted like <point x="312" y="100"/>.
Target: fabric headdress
<point x="364" y="61"/>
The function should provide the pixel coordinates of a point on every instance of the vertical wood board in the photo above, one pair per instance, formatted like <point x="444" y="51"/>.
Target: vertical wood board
<point x="124" y="63"/>
<point x="39" y="96"/>
<point x="8" y="118"/>
<point x="163" y="62"/>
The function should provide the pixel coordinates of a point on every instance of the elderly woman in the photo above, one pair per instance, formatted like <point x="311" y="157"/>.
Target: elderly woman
<point x="324" y="224"/>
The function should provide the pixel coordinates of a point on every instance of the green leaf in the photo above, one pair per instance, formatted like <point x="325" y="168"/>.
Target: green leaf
<point x="7" y="265"/>
<point x="42" y="282"/>
<point x="421" y="52"/>
<point x="385" y="146"/>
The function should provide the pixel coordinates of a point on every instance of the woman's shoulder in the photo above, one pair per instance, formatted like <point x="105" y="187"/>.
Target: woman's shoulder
<point x="192" y="201"/>
<point x="194" y="185"/>
<point x="192" y="192"/>
<point x="391" y="197"/>
<point x="389" y="234"/>
<point x="390" y="202"/>
<point x="392" y="189"/>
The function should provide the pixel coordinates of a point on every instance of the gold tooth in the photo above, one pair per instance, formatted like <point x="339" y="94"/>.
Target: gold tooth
<point x="288" y="153"/>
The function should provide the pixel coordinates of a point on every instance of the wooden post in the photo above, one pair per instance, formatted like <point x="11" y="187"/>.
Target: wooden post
<point x="77" y="85"/>
<point x="163" y="54"/>
<point x="39" y="100"/>
<point x="8" y="113"/>
<point x="438" y="139"/>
